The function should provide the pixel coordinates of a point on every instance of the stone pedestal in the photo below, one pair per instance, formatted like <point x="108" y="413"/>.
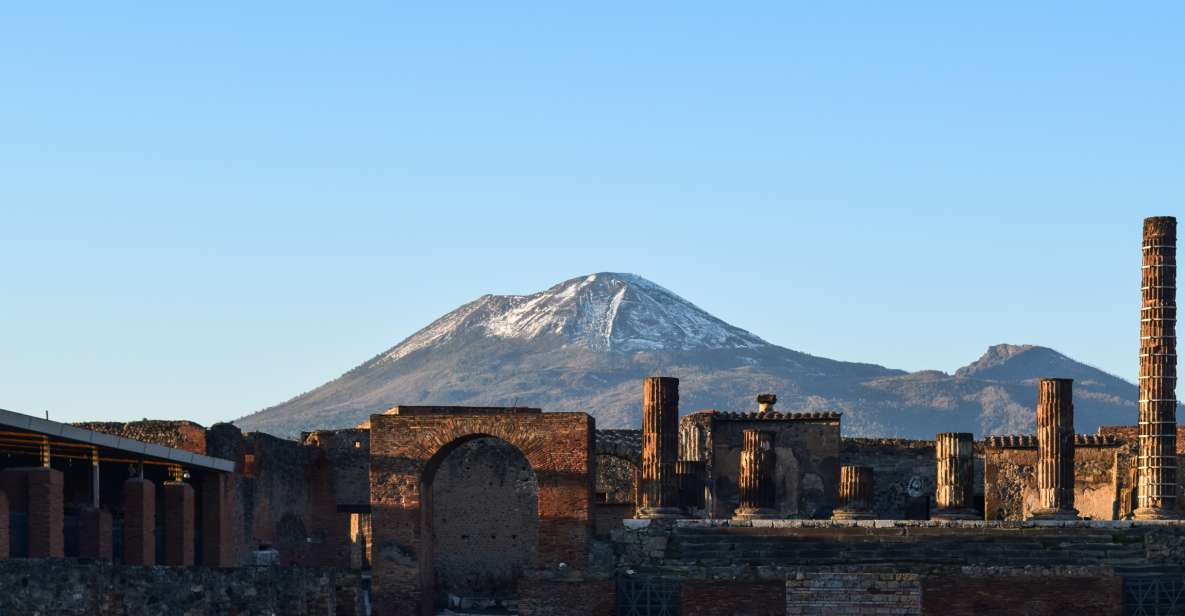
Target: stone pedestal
<point x="1157" y="462"/>
<point x="95" y="534"/>
<point x="757" y="483"/>
<point x="139" y="522"/>
<point x="855" y="494"/>
<point x="954" y="492"/>
<point x="178" y="524"/>
<point x="1055" y="450"/>
<point x="660" y="448"/>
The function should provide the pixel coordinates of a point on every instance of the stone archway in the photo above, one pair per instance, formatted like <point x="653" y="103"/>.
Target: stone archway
<point x="481" y="521"/>
<point x="406" y="445"/>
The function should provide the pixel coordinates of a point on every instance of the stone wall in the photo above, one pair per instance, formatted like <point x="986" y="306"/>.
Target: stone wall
<point x="1032" y="595"/>
<point x="807" y="450"/>
<point x="733" y="599"/>
<point x="185" y="435"/>
<point x="575" y="597"/>
<point x="1011" y="484"/>
<point x="69" y="587"/>
<point x="824" y="594"/>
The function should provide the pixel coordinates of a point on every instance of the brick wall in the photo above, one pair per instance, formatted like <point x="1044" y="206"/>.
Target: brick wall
<point x="566" y="598"/>
<point x="823" y="594"/>
<point x="1010" y="480"/>
<point x="704" y="598"/>
<point x="45" y="512"/>
<point x="406" y="448"/>
<point x="1032" y="596"/>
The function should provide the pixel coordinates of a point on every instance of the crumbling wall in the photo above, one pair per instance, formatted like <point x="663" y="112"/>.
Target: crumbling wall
<point x="279" y="496"/>
<point x="181" y="434"/>
<point x="69" y="587"/>
<point x="1010" y="483"/>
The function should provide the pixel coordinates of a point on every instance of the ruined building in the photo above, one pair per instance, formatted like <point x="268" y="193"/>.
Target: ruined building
<point x="513" y="510"/>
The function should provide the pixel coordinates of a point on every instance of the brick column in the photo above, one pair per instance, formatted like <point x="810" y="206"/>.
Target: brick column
<point x="855" y="493"/>
<point x="1157" y="489"/>
<point x="217" y="546"/>
<point x="660" y="447"/>
<point x="3" y="525"/>
<point x="139" y="522"/>
<point x="1055" y="450"/>
<point x="758" y="468"/>
<point x="178" y="524"/>
<point x="45" y="513"/>
<point x="95" y="534"/>
<point x="954" y="492"/>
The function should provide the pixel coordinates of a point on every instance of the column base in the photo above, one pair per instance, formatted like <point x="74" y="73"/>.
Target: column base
<point x="955" y="514"/>
<point x="852" y="514"/>
<point x="1155" y="513"/>
<point x="652" y="513"/>
<point x="1053" y="514"/>
<point x="756" y="513"/>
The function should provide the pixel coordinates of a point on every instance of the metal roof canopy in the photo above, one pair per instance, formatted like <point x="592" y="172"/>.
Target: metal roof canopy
<point x="99" y="439"/>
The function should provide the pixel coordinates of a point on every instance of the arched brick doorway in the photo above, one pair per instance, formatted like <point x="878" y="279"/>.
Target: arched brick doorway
<point x="408" y="441"/>
<point x="481" y="522"/>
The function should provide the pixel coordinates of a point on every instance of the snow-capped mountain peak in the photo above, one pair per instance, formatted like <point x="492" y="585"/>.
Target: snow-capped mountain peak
<point x="602" y="312"/>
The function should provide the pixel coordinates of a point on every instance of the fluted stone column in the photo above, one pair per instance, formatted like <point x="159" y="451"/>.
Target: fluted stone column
<point x="855" y="493"/>
<point x="1157" y="469"/>
<point x="954" y="492"/>
<point x="1055" y="450"/>
<point x="758" y="468"/>
<point x="660" y="447"/>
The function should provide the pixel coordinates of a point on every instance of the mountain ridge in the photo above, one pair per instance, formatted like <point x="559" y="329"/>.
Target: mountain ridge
<point x="585" y="343"/>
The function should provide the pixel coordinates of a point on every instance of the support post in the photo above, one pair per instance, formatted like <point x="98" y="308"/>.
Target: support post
<point x="855" y="493"/>
<point x="1055" y="450"/>
<point x="45" y="513"/>
<point x="178" y="524"/>
<point x="954" y="491"/>
<point x="139" y="522"/>
<point x="1157" y="467"/>
<point x="660" y="448"/>
<point x="758" y="468"/>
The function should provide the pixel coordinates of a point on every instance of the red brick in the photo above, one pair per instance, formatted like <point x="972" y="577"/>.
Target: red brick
<point x="703" y="598"/>
<point x="1033" y="596"/>
<point x="45" y="513"/>
<point x="95" y="534"/>
<point x="564" y="598"/>
<point x="139" y="522"/>
<point x="178" y="524"/>
<point x="217" y="536"/>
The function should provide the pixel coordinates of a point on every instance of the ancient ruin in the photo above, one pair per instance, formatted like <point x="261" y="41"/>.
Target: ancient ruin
<point x="430" y="510"/>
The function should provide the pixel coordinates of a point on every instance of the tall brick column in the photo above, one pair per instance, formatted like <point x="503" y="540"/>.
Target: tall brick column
<point x="758" y="469"/>
<point x="3" y="525"/>
<point x="94" y="534"/>
<point x="954" y="493"/>
<point x="855" y="493"/>
<point x="139" y="522"/>
<point x="1055" y="450"/>
<point x="217" y="546"/>
<point x="1157" y="489"/>
<point x="178" y="524"/>
<point x="660" y="447"/>
<point x="45" y="513"/>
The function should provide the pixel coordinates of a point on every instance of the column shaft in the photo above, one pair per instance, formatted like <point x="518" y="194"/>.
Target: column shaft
<point x="178" y="524"/>
<point x="45" y="513"/>
<point x="758" y="468"/>
<point x="1055" y="449"/>
<point x="855" y="493"/>
<point x="660" y="447"/>
<point x="954" y="492"/>
<point x="139" y="522"/>
<point x="1157" y="470"/>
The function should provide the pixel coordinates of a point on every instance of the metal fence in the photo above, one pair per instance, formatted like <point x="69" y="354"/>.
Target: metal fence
<point x="1154" y="595"/>
<point x="643" y="595"/>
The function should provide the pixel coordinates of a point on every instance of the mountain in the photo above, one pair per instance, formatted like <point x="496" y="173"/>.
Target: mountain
<point x="586" y="343"/>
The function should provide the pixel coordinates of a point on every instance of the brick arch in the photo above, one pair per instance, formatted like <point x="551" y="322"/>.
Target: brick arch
<point x="405" y="450"/>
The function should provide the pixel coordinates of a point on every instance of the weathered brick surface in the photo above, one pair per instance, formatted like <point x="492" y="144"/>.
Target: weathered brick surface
<point x="45" y="513"/>
<point x="176" y="434"/>
<point x="179" y="521"/>
<point x="69" y="587"/>
<point x="139" y="522"/>
<point x="217" y="533"/>
<point x="95" y="534"/>
<point x="566" y="598"/>
<point x="405" y="450"/>
<point x="1031" y="596"/>
<point x="3" y="525"/>
<point x="1010" y="479"/>
<point x="824" y="594"/>
<point x="703" y="598"/>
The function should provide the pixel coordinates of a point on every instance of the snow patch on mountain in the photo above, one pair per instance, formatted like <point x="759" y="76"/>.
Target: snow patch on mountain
<point x="603" y="312"/>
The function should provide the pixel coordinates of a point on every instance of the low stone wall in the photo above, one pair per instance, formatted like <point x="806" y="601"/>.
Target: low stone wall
<point x="69" y="587"/>
<point x="733" y="599"/>
<point x="823" y="594"/>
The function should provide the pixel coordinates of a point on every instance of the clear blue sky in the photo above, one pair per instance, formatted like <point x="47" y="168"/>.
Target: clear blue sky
<point x="207" y="210"/>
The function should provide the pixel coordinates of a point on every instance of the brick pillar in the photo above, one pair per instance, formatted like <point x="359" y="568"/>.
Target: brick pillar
<point x="954" y="493"/>
<point x="660" y="447"/>
<point x="691" y="484"/>
<point x="3" y="525"/>
<point x="855" y="493"/>
<point x="95" y="534"/>
<point x="758" y="468"/>
<point x="217" y="545"/>
<point x="1055" y="450"/>
<point x="1157" y="489"/>
<point x="139" y="522"/>
<point x="178" y="524"/>
<point x="45" y="513"/>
